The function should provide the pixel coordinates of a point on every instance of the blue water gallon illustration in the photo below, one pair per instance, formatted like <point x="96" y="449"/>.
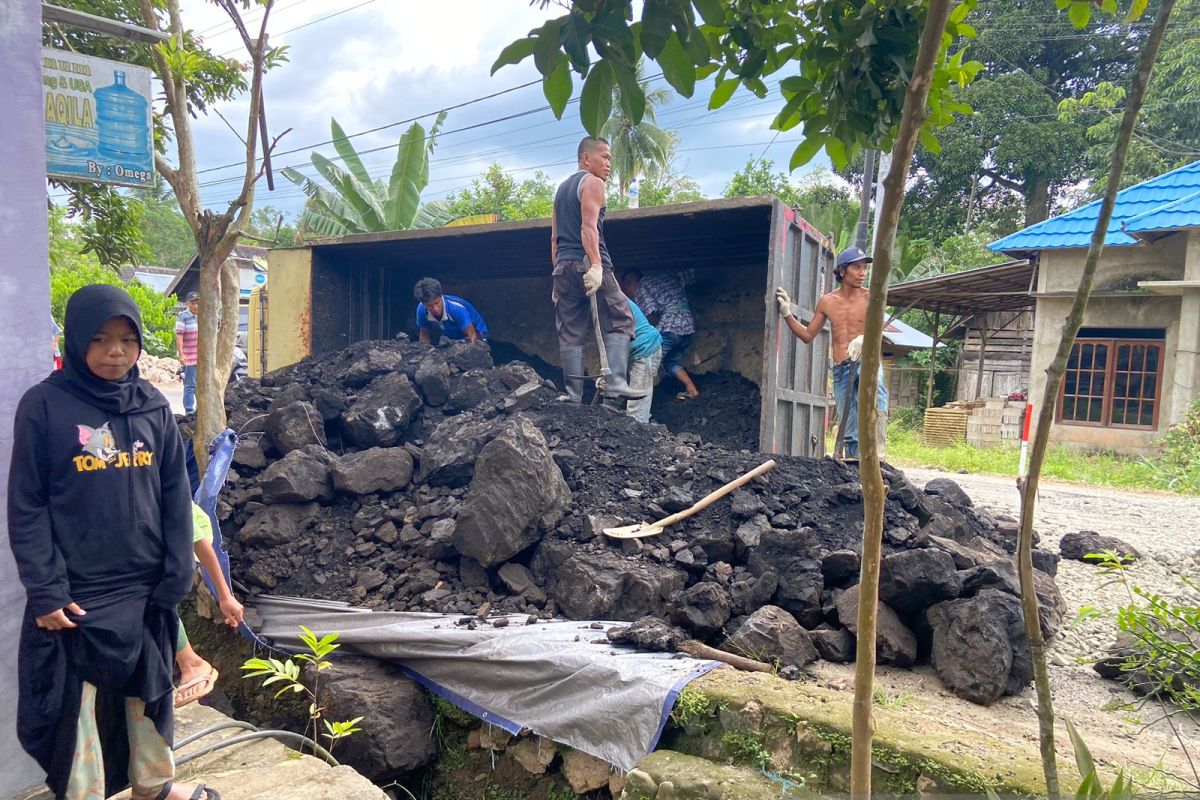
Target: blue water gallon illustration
<point x="121" y="117"/>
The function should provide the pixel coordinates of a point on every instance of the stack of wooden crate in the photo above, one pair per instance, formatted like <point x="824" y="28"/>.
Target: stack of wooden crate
<point x="945" y="427"/>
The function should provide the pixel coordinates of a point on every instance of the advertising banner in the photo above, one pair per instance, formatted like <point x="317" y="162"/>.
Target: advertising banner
<point x="98" y="124"/>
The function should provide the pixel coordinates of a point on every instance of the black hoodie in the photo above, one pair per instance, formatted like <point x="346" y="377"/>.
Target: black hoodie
<point x="99" y="513"/>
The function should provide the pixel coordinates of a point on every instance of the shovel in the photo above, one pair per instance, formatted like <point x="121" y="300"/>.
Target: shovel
<point x="641" y="529"/>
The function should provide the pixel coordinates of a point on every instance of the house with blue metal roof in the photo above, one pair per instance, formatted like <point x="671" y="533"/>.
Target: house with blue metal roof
<point x="1134" y="369"/>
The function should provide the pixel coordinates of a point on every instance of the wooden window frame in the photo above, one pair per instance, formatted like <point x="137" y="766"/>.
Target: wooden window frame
<point x="1110" y="384"/>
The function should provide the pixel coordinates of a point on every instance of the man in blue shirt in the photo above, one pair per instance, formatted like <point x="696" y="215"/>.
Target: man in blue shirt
<point x="645" y="354"/>
<point x="440" y="314"/>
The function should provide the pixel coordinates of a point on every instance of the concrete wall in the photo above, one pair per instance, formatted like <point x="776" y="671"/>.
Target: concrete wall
<point x="24" y="318"/>
<point x="1120" y="269"/>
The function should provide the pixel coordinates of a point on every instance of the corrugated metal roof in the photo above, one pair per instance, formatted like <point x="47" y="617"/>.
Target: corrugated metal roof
<point x="1183" y="213"/>
<point x="901" y="334"/>
<point x="1140" y="202"/>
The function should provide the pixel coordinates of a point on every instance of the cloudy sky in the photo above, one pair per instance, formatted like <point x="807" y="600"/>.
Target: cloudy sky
<point x="377" y="63"/>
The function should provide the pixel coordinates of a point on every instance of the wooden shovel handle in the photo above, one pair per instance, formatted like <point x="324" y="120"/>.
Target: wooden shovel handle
<point x="717" y="494"/>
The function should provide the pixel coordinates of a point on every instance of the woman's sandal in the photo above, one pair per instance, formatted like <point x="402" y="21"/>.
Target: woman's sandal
<point x="201" y="792"/>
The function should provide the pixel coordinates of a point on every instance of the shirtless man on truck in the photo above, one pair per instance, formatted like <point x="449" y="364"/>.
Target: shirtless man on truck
<point x="846" y="309"/>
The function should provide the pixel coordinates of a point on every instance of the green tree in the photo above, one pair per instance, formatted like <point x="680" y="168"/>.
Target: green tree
<point x="1168" y="133"/>
<point x="166" y="233"/>
<point x="1005" y="164"/>
<point x="497" y="192"/>
<point x="354" y="203"/>
<point x="270" y="227"/>
<point x="637" y="146"/>
<point x="759" y="177"/>
<point x="72" y="267"/>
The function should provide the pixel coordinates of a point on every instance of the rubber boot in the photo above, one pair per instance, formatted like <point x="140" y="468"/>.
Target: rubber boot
<point x="616" y="386"/>
<point x="572" y="361"/>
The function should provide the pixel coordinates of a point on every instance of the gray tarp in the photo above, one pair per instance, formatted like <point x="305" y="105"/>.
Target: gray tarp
<point x="562" y="680"/>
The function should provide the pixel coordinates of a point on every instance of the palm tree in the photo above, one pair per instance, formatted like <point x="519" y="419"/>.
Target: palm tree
<point x="639" y="148"/>
<point x="354" y="203"/>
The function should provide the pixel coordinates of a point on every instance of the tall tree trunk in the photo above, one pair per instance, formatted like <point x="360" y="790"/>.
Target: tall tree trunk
<point x="1028" y="486"/>
<point x="874" y="492"/>
<point x="1037" y="199"/>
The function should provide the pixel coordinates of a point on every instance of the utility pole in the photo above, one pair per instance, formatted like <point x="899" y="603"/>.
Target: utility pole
<point x="864" y="203"/>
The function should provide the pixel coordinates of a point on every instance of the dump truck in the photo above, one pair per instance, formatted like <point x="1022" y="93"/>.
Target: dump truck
<point x="329" y="293"/>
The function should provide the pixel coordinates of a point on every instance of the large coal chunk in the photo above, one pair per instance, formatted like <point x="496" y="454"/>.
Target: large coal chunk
<point x="1077" y="546"/>
<point x="913" y="580"/>
<point x="295" y="425"/>
<point x="278" y="524"/>
<point x="466" y="356"/>
<point x="433" y="377"/>
<point x="517" y="495"/>
<point x="376" y="361"/>
<point x="606" y="585"/>
<point x="379" y="469"/>
<point x="381" y="413"/>
<point x="299" y="476"/>
<point x="949" y="491"/>
<point x="979" y="647"/>
<point x="448" y="458"/>
<point x="795" y="557"/>
<point x="834" y="644"/>
<point x="397" y="717"/>
<point x="702" y="609"/>
<point x="648" y="634"/>
<point x="894" y="643"/>
<point x="773" y="635"/>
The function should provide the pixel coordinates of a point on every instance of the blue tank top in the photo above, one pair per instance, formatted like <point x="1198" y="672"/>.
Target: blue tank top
<point x="568" y="222"/>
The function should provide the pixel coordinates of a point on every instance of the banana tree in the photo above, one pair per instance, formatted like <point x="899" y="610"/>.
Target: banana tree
<point x="354" y="203"/>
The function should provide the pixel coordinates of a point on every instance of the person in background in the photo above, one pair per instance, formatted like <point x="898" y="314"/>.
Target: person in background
<point x="187" y="342"/>
<point x="663" y="296"/>
<point x="55" y="335"/>
<point x="846" y="309"/>
<point x="440" y="314"/>
<point x="99" y="522"/>
<point x="645" y="356"/>
<point x="197" y="677"/>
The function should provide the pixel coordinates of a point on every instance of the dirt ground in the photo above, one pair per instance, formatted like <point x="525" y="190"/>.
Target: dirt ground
<point x="1120" y="728"/>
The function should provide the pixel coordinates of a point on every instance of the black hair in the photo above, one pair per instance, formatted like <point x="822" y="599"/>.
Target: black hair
<point x="636" y="274"/>
<point x="839" y="272"/>
<point x="427" y="289"/>
<point x="588" y="144"/>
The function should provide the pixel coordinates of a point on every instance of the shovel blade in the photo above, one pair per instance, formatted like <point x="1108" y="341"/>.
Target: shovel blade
<point x="635" y="531"/>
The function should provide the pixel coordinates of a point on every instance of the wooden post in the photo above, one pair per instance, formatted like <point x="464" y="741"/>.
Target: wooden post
<point x="982" y="350"/>
<point x="933" y="359"/>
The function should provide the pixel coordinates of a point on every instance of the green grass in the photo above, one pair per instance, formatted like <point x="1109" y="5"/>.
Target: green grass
<point x="905" y="449"/>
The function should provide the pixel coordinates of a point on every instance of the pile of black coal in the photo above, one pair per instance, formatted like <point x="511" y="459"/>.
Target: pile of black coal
<point x="396" y="475"/>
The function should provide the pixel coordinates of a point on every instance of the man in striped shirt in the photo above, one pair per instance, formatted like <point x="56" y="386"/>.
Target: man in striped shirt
<point x="187" y="336"/>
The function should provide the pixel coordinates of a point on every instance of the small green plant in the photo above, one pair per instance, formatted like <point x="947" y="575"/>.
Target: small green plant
<point x="287" y="673"/>
<point x="1178" y="465"/>
<point x="888" y="699"/>
<point x="690" y="706"/>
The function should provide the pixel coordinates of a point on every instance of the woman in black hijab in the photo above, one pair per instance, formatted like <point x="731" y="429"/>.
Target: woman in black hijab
<point x="99" y="518"/>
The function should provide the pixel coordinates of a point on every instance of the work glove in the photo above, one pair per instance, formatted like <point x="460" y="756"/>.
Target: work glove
<point x="784" y="301"/>
<point x="854" y="349"/>
<point x="592" y="279"/>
